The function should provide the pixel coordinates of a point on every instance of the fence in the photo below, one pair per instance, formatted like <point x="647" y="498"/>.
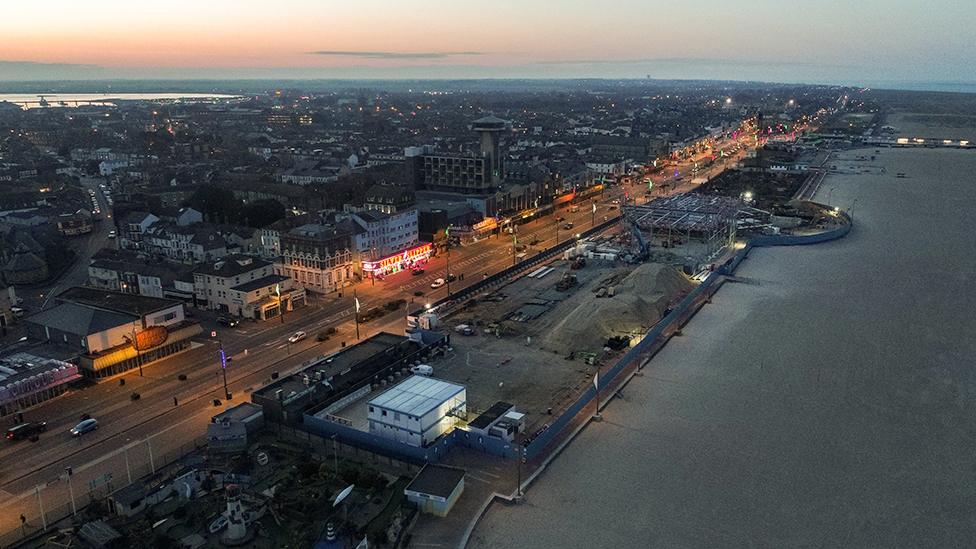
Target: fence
<point x="501" y="276"/>
<point x="326" y="428"/>
<point x="670" y="325"/>
<point x="102" y="480"/>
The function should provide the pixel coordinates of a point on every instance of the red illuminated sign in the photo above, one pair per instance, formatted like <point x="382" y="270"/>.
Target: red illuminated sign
<point x="396" y="261"/>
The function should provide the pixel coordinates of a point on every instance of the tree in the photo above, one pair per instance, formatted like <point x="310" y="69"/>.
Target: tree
<point x="262" y="213"/>
<point x="216" y="204"/>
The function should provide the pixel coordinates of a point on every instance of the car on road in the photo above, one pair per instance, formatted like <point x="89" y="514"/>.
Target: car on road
<point x="560" y="219"/>
<point x="26" y="430"/>
<point x="422" y="370"/>
<point x="568" y="226"/>
<point x="85" y="426"/>
<point x="437" y="283"/>
<point x="297" y="336"/>
<point x="417" y="271"/>
<point x="229" y="322"/>
<point x="112" y="234"/>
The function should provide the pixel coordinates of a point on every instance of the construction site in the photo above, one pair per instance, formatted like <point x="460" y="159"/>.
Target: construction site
<point x="538" y="341"/>
<point x="686" y="229"/>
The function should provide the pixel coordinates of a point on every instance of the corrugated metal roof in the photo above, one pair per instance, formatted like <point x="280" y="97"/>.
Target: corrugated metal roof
<point x="417" y="395"/>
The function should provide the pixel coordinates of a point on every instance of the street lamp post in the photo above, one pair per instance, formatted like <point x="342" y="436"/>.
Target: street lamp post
<point x="40" y="504"/>
<point x="69" y="472"/>
<point x="223" y="368"/>
<point x="125" y="453"/>
<point x="447" y="239"/>
<point x="152" y="462"/>
<point x="519" y="456"/>
<point x="355" y="294"/>
<point x="335" y="454"/>
<point x="514" y="247"/>
<point x="281" y="306"/>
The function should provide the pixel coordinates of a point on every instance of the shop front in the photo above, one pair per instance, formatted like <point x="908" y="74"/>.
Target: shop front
<point x="397" y="262"/>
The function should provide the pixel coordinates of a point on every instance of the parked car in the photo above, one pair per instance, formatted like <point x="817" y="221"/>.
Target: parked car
<point x="297" y="336"/>
<point x="229" y="322"/>
<point x="437" y="283"/>
<point x="85" y="426"/>
<point x="26" y="430"/>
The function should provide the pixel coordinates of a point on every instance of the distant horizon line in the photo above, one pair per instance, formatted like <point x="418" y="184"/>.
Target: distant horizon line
<point x="946" y="86"/>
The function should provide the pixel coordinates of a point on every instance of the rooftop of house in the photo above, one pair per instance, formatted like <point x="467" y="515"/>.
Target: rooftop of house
<point x="416" y="395"/>
<point x="436" y="480"/>
<point x="79" y="319"/>
<point x="119" y="302"/>
<point x="262" y="282"/>
<point x="231" y="265"/>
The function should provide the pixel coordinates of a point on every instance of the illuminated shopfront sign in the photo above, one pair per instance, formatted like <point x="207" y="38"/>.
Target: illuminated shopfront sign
<point x="398" y="261"/>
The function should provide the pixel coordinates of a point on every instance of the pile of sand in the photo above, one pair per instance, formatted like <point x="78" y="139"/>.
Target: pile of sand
<point x="639" y="301"/>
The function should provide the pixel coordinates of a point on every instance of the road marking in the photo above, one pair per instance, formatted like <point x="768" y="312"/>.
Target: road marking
<point x="282" y="346"/>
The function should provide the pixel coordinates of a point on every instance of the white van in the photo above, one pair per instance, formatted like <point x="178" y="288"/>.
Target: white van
<point x="422" y="370"/>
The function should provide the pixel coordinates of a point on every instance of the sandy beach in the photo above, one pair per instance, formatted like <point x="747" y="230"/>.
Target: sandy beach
<point x="829" y="401"/>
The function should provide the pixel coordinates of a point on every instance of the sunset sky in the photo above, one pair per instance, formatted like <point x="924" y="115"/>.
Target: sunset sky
<point x="784" y="40"/>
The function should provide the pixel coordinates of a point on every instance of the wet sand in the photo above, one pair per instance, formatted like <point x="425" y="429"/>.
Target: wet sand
<point x="829" y="403"/>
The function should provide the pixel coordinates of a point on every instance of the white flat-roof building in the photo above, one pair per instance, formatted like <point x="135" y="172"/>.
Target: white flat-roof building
<point x="417" y="410"/>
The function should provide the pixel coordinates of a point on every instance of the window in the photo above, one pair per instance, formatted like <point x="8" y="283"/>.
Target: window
<point x="371" y="409"/>
<point x="383" y="412"/>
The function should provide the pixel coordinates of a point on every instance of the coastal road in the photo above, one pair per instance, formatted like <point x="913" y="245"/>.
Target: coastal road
<point x="132" y="431"/>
